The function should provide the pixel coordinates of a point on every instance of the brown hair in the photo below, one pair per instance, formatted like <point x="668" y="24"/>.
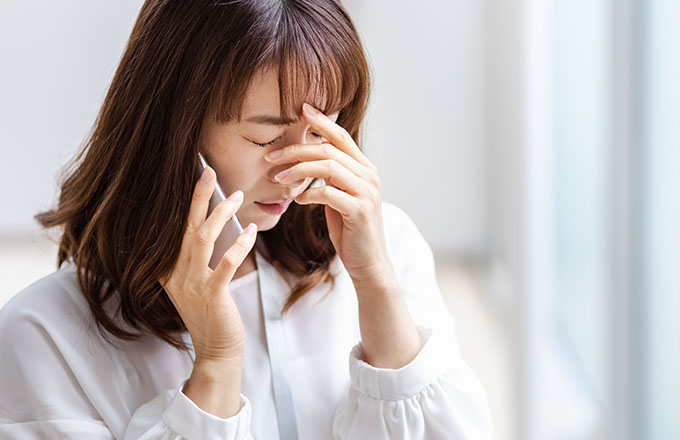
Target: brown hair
<point x="125" y="196"/>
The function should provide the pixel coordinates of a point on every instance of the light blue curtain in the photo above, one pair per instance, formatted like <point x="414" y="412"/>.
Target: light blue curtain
<point x="659" y="290"/>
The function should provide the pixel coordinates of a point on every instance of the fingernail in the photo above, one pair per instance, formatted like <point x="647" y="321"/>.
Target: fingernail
<point x="282" y="174"/>
<point x="250" y="230"/>
<point x="205" y="177"/>
<point x="236" y="196"/>
<point x="272" y="155"/>
<point x="310" y="110"/>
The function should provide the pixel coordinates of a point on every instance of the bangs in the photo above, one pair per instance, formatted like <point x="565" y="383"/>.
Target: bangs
<point x="316" y="63"/>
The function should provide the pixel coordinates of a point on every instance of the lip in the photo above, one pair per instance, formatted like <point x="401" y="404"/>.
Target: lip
<point x="277" y="201"/>
<point x="275" y="208"/>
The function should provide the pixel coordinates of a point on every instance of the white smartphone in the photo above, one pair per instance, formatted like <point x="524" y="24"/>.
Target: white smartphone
<point x="232" y="229"/>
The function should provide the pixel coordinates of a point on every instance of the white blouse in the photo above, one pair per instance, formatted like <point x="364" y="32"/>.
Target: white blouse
<point x="60" y="379"/>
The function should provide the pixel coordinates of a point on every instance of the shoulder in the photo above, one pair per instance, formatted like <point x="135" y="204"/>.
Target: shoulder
<point x="44" y="307"/>
<point x="48" y="357"/>
<point x="397" y="222"/>
<point x="403" y="238"/>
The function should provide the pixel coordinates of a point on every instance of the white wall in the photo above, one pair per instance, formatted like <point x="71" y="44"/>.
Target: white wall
<point x="425" y="128"/>
<point x="57" y="61"/>
<point x="506" y="202"/>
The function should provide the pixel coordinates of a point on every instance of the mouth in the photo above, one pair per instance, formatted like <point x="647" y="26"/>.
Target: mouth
<point x="276" y="208"/>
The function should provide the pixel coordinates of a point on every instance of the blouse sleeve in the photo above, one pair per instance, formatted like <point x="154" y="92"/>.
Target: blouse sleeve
<point x="172" y="415"/>
<point x="436" y="396"/>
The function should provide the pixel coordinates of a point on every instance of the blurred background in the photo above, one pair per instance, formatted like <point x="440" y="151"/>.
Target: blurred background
<point x="536" y="144"/>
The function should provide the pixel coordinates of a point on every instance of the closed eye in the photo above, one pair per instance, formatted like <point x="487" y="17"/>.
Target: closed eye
<point x="266" y="144"/>
<point x="273" y="141"/>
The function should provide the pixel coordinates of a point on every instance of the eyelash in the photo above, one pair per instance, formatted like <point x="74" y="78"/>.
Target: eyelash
<point x="266" y="144"/>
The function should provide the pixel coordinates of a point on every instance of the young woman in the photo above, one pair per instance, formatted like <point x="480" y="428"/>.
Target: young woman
<point x="135" y="336"/>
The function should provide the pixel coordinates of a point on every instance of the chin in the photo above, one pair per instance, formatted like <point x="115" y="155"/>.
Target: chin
<point x="264" y="222"/>
<point x="265" y="226"/>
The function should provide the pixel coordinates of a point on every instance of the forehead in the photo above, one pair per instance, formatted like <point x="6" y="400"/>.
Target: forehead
<point x="262" y="95"/>
<point x="263" y="98"/>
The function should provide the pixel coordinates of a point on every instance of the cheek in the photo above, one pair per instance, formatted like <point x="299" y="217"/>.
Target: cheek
<point x="244" y="172"/>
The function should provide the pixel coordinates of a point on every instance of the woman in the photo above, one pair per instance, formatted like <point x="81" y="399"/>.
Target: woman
<point x="135" y="336"/>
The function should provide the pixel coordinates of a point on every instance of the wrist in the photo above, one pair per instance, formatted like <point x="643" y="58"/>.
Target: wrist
<point x="215" y="387"/>
<point x="381" y="284"/>
<point x="216" y="367"/>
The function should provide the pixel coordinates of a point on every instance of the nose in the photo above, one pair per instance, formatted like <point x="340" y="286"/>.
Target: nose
<point x="296" y="133"/>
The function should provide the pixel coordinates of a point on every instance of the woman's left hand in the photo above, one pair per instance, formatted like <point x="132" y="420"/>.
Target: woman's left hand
<point x="352" y="196"/>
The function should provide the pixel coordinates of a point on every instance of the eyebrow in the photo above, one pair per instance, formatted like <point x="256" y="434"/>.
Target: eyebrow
<point x="270" y="120"/>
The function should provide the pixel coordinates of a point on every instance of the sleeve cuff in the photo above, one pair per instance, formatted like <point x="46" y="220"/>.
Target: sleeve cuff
<point x="191" y="422"/>
<point x="401" y="383"/>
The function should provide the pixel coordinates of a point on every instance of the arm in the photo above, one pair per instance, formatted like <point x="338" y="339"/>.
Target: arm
<point x="435" y="395"/>
<point x="388" y="335"/>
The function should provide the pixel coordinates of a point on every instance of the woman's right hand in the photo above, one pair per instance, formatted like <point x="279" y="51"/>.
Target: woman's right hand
<point x="201" y="295"/>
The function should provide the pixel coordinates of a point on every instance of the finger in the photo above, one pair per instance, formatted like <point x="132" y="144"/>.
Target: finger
<point x="329" y="170"/>
<point x="335" y="134"/>
<point x="337" y="199"/>
<point x="205" y="236"/>
<point x="200" y="200"/>
<point x="235" y="256"/>
<point x="309" y="152"/>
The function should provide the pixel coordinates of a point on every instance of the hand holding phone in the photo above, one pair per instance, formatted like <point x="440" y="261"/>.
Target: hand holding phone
<point x="200" y="293"/>
<point x="232" y="229"/>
